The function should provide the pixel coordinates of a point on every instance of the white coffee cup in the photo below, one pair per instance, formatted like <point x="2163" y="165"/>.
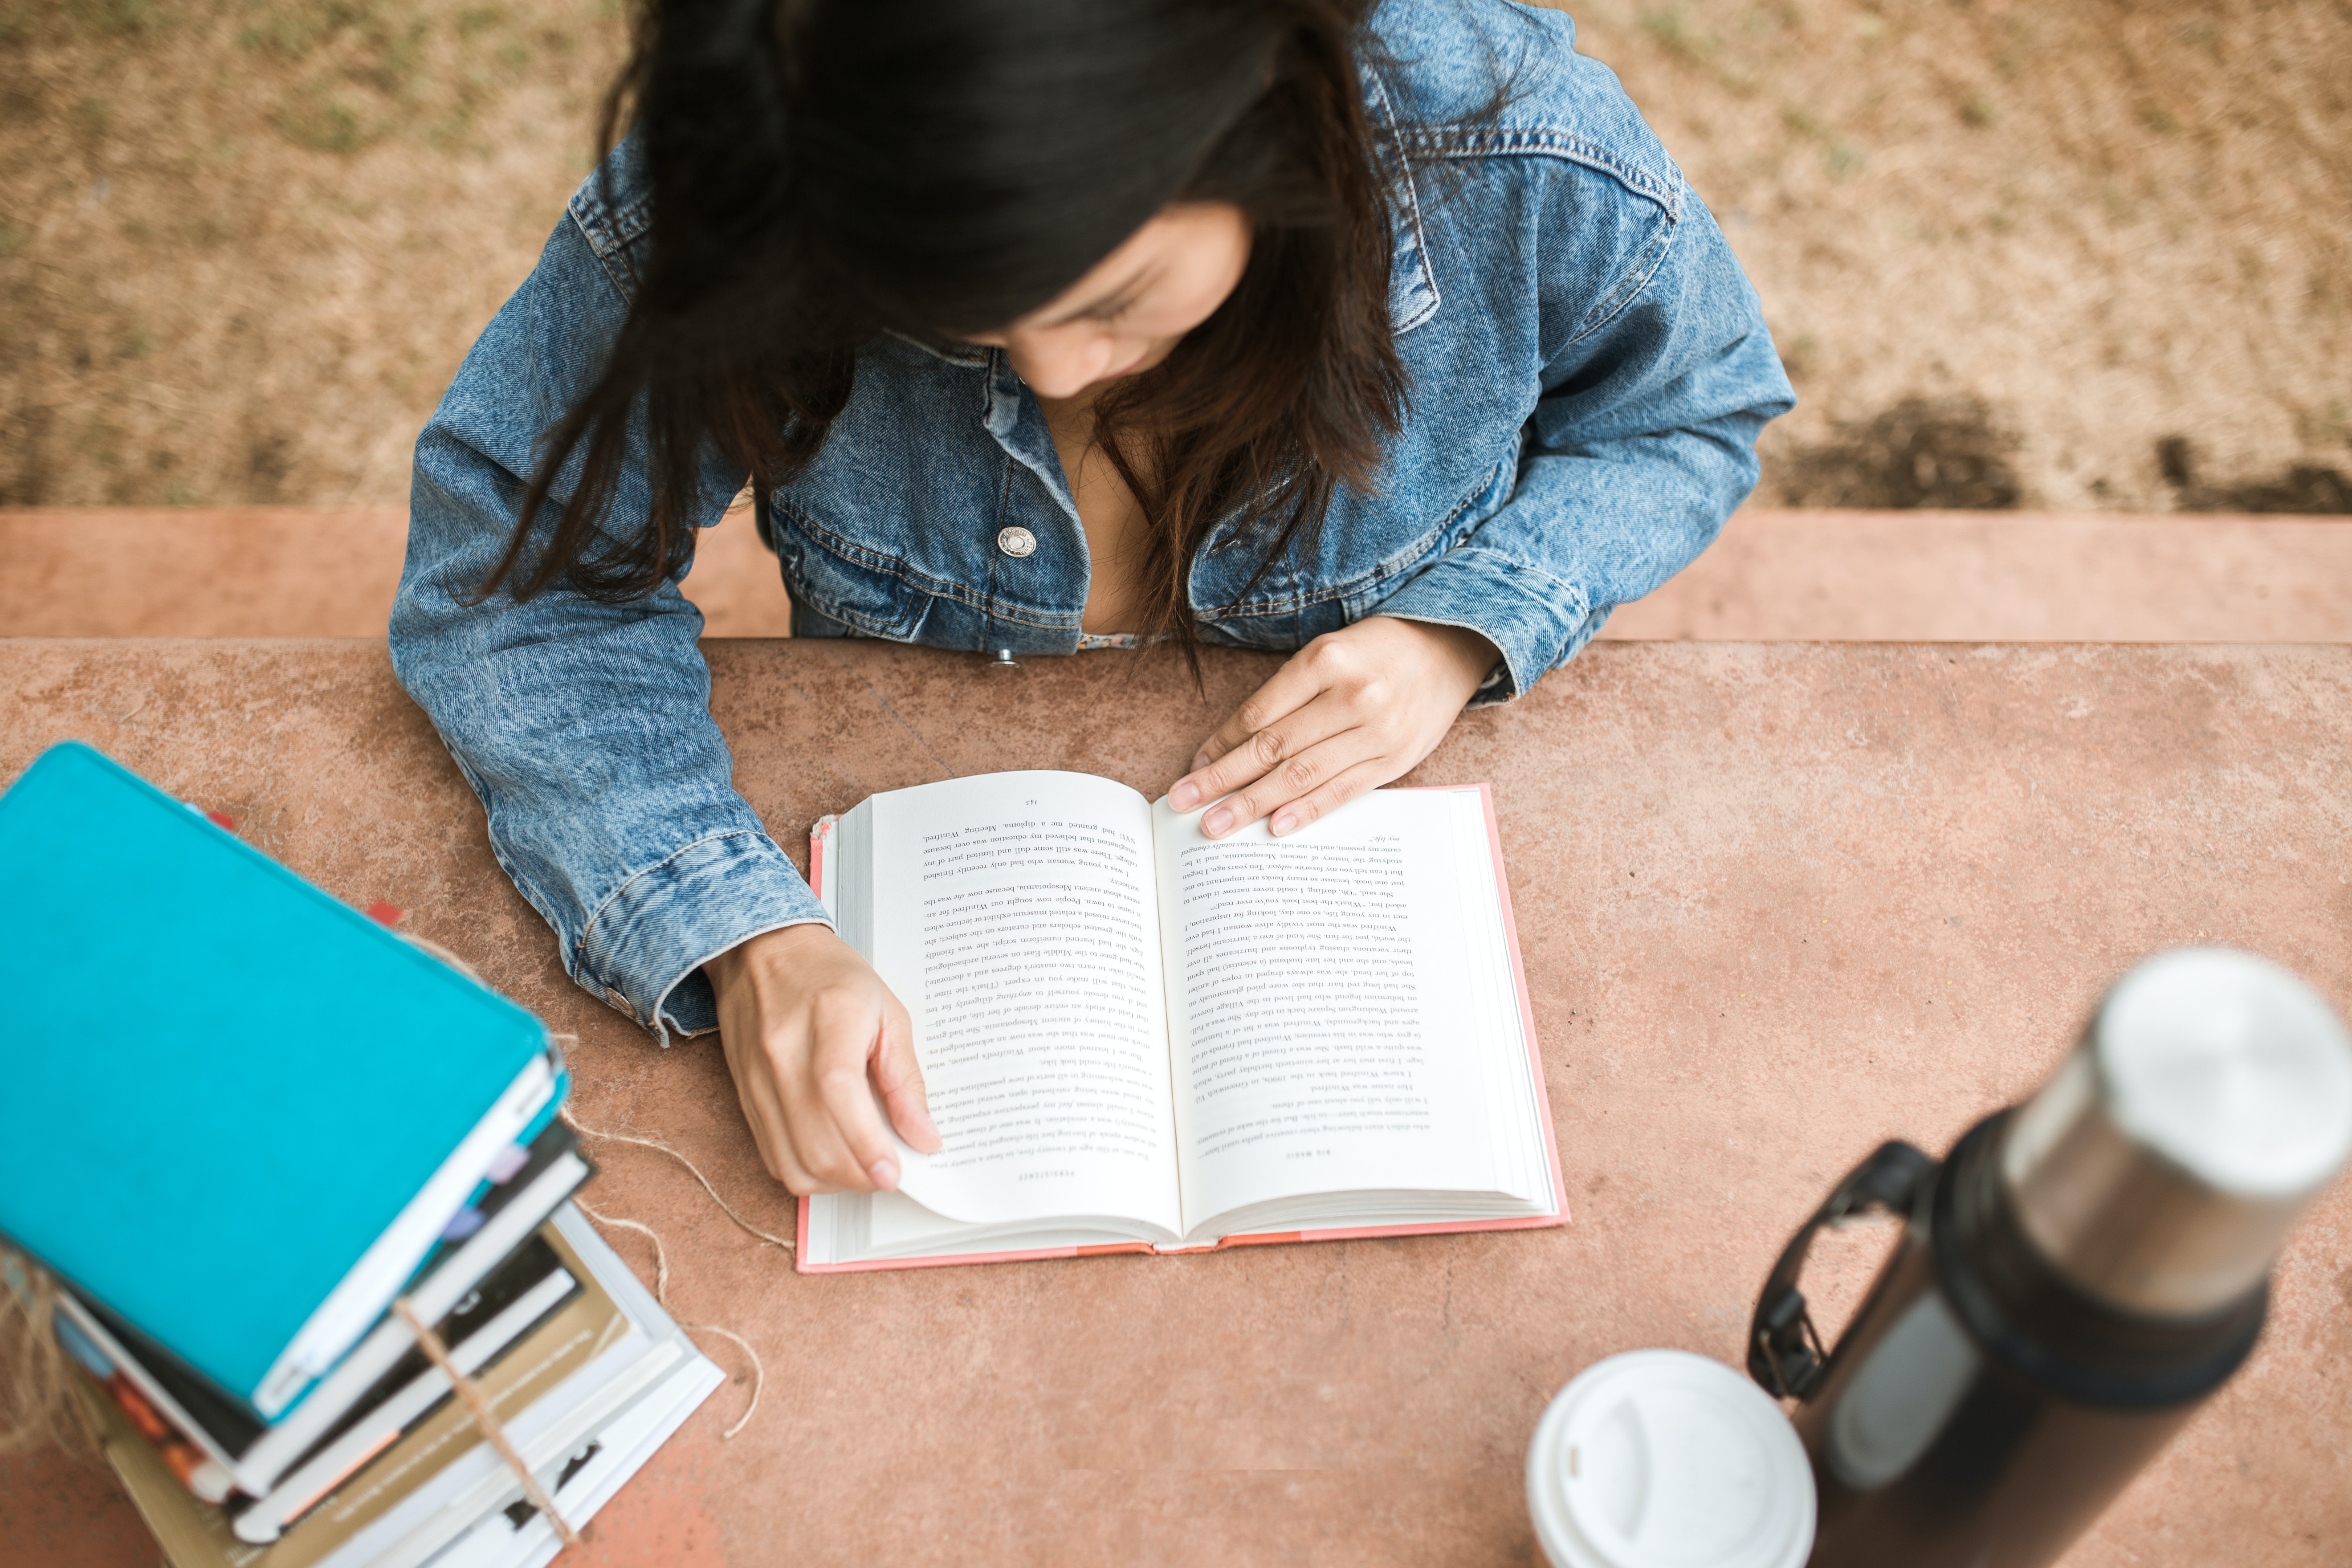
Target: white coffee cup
<point x="1666" y="1460"/>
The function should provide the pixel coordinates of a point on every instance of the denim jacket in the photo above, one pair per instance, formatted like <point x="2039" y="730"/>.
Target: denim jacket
<point x="1588" y="370"/>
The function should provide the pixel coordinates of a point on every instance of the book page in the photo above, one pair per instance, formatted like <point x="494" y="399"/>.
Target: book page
<point x="1014" y="915"/>
<point x="1331" y="1033"/>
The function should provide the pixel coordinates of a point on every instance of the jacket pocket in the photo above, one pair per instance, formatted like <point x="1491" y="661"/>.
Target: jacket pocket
<point x="864" y="590"/>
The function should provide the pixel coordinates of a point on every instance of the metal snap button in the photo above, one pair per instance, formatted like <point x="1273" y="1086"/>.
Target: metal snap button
<point x="1016" y="541"/>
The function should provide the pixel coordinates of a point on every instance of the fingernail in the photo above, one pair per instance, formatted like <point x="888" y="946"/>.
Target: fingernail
<point x="1185" y="796"/>
<point x="1284" y="823"/>
<point x="1200" y="760"/>
<point x="1216" y="822"/>
<point x="884" y="1173"/>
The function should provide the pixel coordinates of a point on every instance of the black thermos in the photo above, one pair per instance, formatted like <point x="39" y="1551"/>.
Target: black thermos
<point x="2073" y="1279"/>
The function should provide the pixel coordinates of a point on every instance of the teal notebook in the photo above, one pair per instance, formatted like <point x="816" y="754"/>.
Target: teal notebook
<point x="233" y="1109"/>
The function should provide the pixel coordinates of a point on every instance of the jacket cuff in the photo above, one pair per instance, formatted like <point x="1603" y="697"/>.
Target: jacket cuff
<point x="1537" y="621"/>
<point x="644" y="948"/>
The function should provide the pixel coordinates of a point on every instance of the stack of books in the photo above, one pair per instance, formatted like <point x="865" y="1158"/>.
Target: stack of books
<point x="251" y="1122"/>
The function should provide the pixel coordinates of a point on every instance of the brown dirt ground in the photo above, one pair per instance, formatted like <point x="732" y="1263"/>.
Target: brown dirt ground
<point x="2080" y="256"/>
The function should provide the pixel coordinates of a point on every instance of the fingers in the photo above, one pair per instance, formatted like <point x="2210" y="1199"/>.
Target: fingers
<point x="1307" y="786"/>
<point x="1261" y="754"/>
<point x="755" y="1087"/>
<point x="900" y="1079"/>
<point x="803" y="1021"/>
<point x="1293" y="687"/>
<point x="811" y="1140"/>
<point x="1351" y="710"/>
<point x="1292" y="815"/>
<point x="1283" y="718"/>
<point x="1288" y="779"/>
<point x="838" y="1133"/>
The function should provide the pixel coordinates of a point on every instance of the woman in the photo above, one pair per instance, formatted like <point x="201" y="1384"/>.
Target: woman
<point x="1396" y="341"/>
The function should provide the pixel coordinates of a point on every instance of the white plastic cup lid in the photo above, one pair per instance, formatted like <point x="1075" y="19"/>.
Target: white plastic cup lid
<point x="1667" y="1459"/>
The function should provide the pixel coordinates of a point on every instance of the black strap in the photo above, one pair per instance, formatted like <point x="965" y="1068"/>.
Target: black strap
<point x="1784" y="1350"/>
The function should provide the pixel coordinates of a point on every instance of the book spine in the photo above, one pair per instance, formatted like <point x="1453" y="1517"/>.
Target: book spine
<point x="325" y="1470"/>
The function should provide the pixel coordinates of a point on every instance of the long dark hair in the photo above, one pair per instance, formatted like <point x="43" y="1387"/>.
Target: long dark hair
<point x="822" y="170"/>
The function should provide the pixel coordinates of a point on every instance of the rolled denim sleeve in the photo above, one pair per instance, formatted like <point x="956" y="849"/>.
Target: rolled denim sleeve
<point x="585" y="728"/>
<point x="1641" y="445"/>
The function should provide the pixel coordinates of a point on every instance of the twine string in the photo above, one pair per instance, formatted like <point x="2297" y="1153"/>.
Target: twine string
<point x="661" y="1253"/>
<point x="692" y="1169"/>
<point x="445" y="955"/>
<point x="477" y="1404"/>
<point x="759" y="1373"/>
<point x="661" y="1294"/>
<point x="38" y="1407"/>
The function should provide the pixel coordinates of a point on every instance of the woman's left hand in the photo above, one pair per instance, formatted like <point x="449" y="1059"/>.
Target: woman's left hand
<point x="1351" y="710"/>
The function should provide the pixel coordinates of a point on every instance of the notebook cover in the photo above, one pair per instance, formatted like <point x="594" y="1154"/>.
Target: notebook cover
<point x="820" y="842"/>
<point x="227" y="1083"/>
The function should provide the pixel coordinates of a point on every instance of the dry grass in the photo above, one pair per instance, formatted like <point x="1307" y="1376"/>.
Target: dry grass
<point x="2103" y="222"/>
<point x="244" y="243"/>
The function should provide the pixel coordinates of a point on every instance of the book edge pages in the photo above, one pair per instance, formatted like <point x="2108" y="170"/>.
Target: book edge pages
<point x="821" y="883"/>
<point x="1546" y="1122"/>
<point x="631" y="1313"/>
<point x="259" y="1469"/>
<point x="684" y="1388"/>
<point x="318" y="1524"/>
<point x="241" y="1470"/>
<point x="948" y="1260"/>
<point x="325" y="1473"/>
<point x="154" y="1492"/>
<point x="164" y="1509"/>
<point x="496" y="1486"/>
<point x="668" y="1350"/>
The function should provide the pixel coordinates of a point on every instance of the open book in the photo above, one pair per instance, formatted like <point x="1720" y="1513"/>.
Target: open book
<point x="1134" y="1036"/>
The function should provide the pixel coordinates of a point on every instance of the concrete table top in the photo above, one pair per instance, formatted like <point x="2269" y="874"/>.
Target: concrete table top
<point x="1777" y="903"/>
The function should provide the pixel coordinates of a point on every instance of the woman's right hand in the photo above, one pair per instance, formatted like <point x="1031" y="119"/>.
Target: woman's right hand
<point x="805" y="1022"/>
